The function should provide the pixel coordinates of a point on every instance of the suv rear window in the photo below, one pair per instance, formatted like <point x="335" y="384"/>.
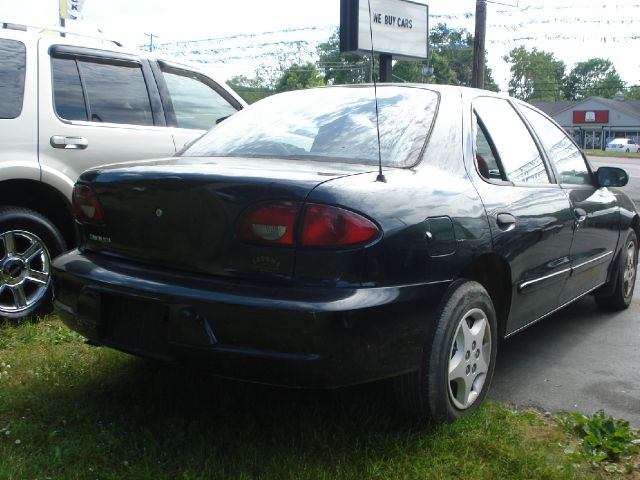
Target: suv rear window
<point x="195" y="100"/>
<point x="13" y="56"/>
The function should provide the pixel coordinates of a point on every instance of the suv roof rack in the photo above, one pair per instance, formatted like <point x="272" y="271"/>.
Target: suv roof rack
<point x="60" y="30"/>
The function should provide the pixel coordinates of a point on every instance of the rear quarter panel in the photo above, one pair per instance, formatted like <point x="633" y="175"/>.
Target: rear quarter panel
<point x="435" y="196"/>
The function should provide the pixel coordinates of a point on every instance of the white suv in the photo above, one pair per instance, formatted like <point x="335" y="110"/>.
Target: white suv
<point x="68" y="103"/>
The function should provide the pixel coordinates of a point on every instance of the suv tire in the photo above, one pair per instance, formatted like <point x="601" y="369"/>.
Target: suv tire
<point x="28" y="243"/>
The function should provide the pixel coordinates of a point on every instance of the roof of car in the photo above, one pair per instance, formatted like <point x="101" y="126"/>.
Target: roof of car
<point x="97" y="40"/>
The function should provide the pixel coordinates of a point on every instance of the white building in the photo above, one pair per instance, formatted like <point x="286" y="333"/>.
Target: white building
<point x="595" y="121"/>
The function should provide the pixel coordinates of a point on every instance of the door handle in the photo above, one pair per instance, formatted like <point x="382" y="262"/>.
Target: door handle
<point x="69" y="143"/>
<point x="580" y="214"/>
<point x="506" y="222"/>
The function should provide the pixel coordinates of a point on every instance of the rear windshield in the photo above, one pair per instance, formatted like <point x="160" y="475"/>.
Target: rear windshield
<point x="12" y="66"/>
<point x="330" y="124"/>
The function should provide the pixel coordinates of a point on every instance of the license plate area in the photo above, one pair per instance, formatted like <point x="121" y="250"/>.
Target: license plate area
<point x="138" y="325"/>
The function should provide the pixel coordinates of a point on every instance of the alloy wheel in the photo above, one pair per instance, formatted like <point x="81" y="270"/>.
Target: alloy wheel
<point x="469" y="359"/>
<point x="25" y="271"/>
<point x="629" y="269"/>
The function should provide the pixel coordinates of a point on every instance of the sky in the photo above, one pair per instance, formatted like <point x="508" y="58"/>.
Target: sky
<point x="574" y="30"/>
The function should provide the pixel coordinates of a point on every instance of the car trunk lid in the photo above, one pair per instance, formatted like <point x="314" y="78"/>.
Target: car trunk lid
<point x="182" y="213"/>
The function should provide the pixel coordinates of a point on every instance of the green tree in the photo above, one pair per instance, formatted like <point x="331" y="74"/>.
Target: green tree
<point x="452" y="56"/>
<point x="299" y="76"/>
<point x="536" y="75"/>
<point x="250" y="89"/>
<point x="633" y="93"/>
<point x="593" y="77"/>
<point x="413" y="72"/>
<point x="342" y="68"/>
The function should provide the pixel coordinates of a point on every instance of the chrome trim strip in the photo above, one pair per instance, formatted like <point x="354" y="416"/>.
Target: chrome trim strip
<point x="553" y="311"/>
<point x="526" y="284"/>
<point x="593" y="260"/>
<point x="523" y="286"/>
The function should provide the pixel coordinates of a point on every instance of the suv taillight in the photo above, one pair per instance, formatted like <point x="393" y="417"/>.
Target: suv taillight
<point x="322" y="226"/>
<point x="86" y="207"/>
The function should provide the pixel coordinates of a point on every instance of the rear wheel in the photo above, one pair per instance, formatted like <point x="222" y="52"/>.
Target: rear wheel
<point x="28" y="242"/>
<point x="458" y="363"/>
<point x="619" y="294"/>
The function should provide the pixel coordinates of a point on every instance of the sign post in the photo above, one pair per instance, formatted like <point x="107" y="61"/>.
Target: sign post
<point x="392" y="28"/>
<point x="70" y="9"/>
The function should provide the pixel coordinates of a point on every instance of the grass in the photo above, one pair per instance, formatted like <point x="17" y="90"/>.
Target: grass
<point x="600" y="153"/>
<point x="71" y="411"/>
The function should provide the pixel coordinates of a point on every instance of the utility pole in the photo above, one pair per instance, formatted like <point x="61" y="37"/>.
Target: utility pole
<point x="477" y="79"/>
<point x="151" y="37"/>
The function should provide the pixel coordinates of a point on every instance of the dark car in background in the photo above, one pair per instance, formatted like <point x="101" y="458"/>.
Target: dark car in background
<point x="290" y="246"/>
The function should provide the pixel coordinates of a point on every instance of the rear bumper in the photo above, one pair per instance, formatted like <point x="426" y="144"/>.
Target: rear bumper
<point x="281" y="335"/>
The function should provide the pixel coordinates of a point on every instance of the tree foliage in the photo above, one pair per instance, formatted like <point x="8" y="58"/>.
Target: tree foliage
<point x="536" y="75"/>
<point x="633" y="93"/>
<point x="342" y="68"/>
<point x="451" y="58"/>
<point x="297" y="77"/>
<point x="250" y="89"/>
<point x="594" y="77"/>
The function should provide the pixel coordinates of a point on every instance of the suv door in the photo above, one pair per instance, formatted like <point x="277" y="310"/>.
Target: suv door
<point x="595" y="210"/>
<point x="96" y="107"/>
<point x="529" y="215"/>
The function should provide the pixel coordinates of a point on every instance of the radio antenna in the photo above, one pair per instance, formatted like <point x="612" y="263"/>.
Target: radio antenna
<point x="380" y="177"/>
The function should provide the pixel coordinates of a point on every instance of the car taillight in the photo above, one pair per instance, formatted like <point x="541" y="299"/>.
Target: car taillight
<point x="327" y="226"/>
<point x="323" y="226"/>
<point x="269" y="223"/>
<point x="86" y="207"/>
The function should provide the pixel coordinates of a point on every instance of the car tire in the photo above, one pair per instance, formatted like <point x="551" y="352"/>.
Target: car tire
<point x="459" y="359"/>
<point x="619" y="291"/>
<point x="28" y="243"/>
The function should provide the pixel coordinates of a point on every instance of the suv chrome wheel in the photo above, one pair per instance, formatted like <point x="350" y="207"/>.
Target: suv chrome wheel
<point x="25" y="271"/>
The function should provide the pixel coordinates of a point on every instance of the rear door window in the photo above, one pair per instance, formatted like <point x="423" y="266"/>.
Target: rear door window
<point x="101" y="91"/>
<point x="486" y="161"/>
<point x="13" y="56"/>
<point x="117" y="93"/>
<point x="67" y="90"/>
<point x="196" y="101"/>
<point x="518" y="153"/>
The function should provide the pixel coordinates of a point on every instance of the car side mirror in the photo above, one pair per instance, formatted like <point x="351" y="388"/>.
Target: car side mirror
<point x="611" y="177"/>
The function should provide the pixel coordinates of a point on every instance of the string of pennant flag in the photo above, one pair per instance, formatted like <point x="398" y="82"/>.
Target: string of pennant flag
<point x="533" y="8"/>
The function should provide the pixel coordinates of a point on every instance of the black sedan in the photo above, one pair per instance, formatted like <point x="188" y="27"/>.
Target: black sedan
<point x="309" y="241"/>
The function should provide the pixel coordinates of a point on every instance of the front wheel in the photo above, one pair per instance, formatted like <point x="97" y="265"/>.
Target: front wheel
<point x="623" y="279"/>
<point x="458" y="362"/>
<point x="28" y="243"/>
